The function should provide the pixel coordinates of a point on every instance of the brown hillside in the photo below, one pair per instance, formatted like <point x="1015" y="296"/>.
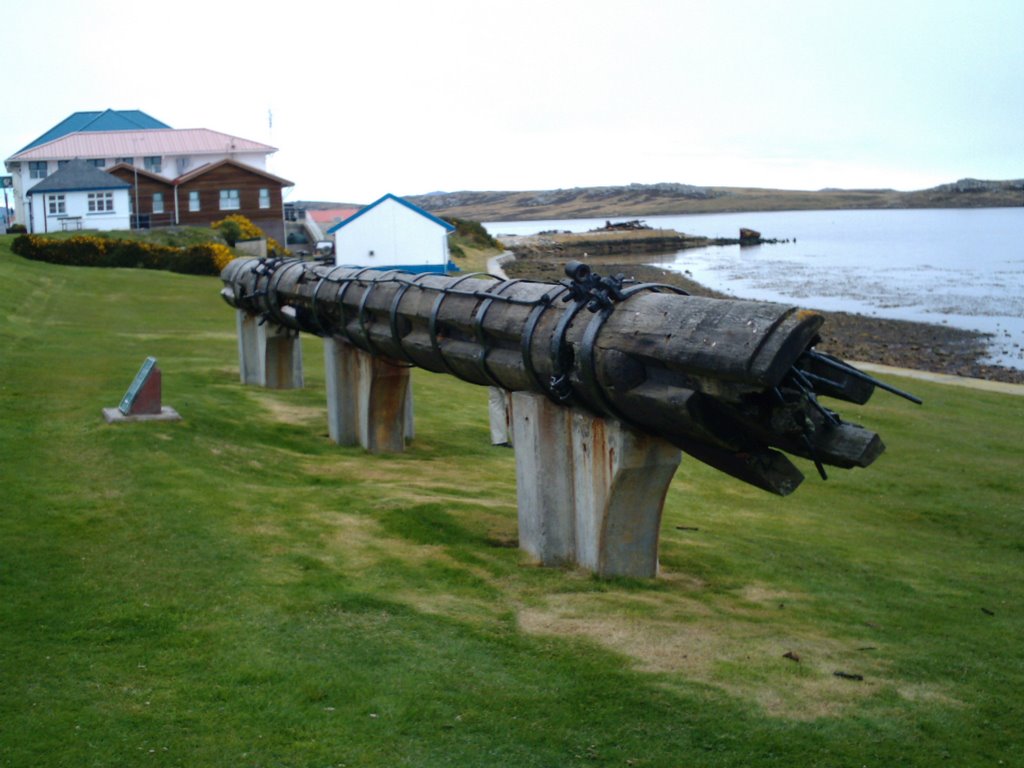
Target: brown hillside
<point x="654" y="199"/>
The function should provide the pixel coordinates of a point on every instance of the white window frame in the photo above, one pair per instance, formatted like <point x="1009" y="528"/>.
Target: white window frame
<point x="153" y="163"/>
<point x="194" y="201"/>
<point x="158" y="202"/>
<point x="56" y="205"/>
<point x="264" y="198"/>
<point x="101" y="202"/>
<point x="230" y="200"/>
<point x="37" y="169"/>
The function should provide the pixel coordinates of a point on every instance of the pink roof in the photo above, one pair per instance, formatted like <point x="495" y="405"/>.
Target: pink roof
<point x="331" y="215"/>
<point x="188" y="141"/>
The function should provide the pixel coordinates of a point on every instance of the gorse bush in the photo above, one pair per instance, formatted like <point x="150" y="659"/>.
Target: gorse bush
<point x="236" y="227"/>
<point x="89" y="251"/>
<point x="220" y="254"/>
<point x="472" y="233"/>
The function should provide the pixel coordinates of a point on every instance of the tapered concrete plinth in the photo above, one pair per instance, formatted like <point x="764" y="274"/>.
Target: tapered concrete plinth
<point x="499" y="410"/>
<point x="268" y="355"/>
<point x="590" y="490"/>
<point x="369" y="399"/>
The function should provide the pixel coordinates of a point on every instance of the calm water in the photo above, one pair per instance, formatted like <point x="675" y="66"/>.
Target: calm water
<point x="955" y="266"/>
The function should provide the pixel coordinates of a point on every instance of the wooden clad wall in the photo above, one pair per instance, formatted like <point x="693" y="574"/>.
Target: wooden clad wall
<point x="209" y="185"/>
<point x="147" y="186"/>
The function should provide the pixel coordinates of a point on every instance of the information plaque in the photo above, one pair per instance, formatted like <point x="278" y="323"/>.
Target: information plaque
<point x="134" y="400"/>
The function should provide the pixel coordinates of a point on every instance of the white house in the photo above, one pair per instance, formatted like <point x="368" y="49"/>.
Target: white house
<point x="392" y="233"/>
<point x="109" y="139"/>
<point x="79" y="196"/>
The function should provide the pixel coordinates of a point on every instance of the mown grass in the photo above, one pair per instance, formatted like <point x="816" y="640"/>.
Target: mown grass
<point x="235" y="590"/>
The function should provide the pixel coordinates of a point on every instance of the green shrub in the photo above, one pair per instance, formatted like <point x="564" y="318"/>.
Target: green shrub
<point x="197" y="260"/>
<point x="16" y="229"/>
<point x="128" y="253"/>
<point x="472" y="233"/>
<point x="230" y="230"/>
<point x="26" y="246"/>
<point x="90" y="251"/>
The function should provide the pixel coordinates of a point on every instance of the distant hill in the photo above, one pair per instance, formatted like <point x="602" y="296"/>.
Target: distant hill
<point x="652" y="199"/>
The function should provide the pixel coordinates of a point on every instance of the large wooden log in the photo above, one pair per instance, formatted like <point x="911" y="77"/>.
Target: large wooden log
<point x="725" y="380"/>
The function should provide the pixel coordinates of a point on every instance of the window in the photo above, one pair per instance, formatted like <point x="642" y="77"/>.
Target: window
<point x="128" y="160"/>
<point x="153" y="164"/>
<point x="193" y="200"/>
<point x="229" y="200"/>
<point x="97" y="163"/>
<point x="55" y="205"/>
<point x="264" y="198"/>
<point x="158" y="202"/>
<point x="37" y="169"/>
<point x="101" y="201"/>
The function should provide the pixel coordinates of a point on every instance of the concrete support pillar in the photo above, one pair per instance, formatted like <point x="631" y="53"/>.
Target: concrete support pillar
<point x="541" y="434"/>
<point x="410" y="421"/>
<point x="368" y="399"/>
<point x="621" y="477"/>
<point x="499" y="408"/>
<point x="341" y="374"/>
<point x="268" y="355"/>
<point x="590" y="490"/>
<point x="248" y="348"/>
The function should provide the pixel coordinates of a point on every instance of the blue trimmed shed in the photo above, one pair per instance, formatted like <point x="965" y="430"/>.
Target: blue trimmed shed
<point x="392" y="233"/>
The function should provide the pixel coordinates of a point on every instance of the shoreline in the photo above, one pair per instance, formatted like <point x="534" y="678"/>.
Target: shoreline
<point x="925" y="347"/>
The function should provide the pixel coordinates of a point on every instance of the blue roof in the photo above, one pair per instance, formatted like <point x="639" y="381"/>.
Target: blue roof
<point x="406" y="203"/>
<point x="107" y="120"/>
<point x="437" y="269"/>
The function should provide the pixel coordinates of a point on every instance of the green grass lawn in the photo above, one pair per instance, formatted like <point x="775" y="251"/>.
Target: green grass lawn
<point x="234" y="590"/>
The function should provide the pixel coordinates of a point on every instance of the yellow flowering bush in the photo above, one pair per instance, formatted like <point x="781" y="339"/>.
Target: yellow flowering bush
<point x="274" y="248"/>
<point x="238" y="227"/>
<point x="220" y="254"/>
<point x="88" y="251"/>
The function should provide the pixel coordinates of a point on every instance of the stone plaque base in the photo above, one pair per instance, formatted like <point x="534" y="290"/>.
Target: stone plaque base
<point x="114" y="415"/>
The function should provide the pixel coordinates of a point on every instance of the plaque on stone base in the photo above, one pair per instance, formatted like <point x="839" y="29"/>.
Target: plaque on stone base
<point x="142" y="401"/>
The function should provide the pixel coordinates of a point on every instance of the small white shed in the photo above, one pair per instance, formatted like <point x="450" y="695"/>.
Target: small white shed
<point x="79" y="196"/>
<point x="392" y="233"/>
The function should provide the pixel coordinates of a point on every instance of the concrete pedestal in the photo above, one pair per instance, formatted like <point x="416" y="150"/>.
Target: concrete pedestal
<point x="590" y="490"/>
<point x="268" y="355"/>
<point x="369" y="399"/>
<point x="542" y="436"/>
<point x="499" y="409"/>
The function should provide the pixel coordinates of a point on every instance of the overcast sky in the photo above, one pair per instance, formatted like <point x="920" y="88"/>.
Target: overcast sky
<point x="383" y="96"/>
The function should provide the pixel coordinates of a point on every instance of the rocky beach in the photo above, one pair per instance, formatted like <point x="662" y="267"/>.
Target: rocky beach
<point x="937" y="348"/>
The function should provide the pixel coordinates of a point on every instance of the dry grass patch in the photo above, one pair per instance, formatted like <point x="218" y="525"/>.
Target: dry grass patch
<point x="736" y="643"/>
<point x="398" y="483"/>
<point x="290" y="413"/>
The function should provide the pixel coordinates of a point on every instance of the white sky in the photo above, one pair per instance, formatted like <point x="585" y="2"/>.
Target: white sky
<point x="410" y="97"/>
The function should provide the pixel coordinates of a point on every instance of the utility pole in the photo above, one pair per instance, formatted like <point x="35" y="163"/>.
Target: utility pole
<point x="7" y="181"/>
